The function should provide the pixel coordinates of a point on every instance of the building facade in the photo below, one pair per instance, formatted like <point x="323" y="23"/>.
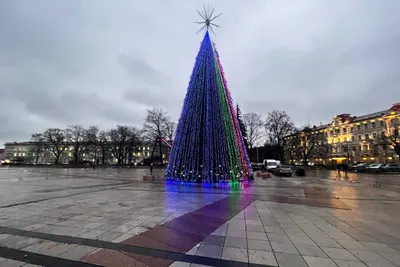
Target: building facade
<point x="33" y="153"/>
<point x="371" y="138"/>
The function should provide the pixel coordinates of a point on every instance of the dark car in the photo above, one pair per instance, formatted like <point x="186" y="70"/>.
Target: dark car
<point x="283" y="170"/>
<point x="390" y="167"/>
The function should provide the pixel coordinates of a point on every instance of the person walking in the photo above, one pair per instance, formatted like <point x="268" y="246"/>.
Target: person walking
<point x="151" y="169"/>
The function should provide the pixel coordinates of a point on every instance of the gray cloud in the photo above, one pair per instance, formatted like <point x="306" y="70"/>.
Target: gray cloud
<point x="105" y="63"/>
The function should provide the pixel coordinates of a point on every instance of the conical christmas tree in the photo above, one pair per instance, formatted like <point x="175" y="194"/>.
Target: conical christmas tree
<point x="208" y="145"/>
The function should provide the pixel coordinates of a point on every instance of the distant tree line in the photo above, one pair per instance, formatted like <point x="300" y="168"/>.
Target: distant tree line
<point x="120" y="141"/>
<point x="266" y="138"/>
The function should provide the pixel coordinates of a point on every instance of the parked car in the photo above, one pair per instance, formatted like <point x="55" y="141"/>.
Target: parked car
<point x="271" y="164"/>
<point x="283" y="170"/>
<point x="359" y="167"/>
<point x="390" y="167"/>
<point x="373" y="168"/>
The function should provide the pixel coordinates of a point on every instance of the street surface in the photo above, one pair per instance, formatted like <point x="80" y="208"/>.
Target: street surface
<point x="111" y="217"/>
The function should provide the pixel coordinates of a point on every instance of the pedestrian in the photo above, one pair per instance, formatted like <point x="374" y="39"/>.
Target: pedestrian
<point x="151" y="169"/>
<point x="338" y="169"/>
<point x="345" y="168"/>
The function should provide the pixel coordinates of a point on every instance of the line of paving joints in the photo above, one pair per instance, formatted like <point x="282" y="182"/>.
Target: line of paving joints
<point x="39" y="259"/>
<point x="156" y="253"/>
<point x="57" y="197"/>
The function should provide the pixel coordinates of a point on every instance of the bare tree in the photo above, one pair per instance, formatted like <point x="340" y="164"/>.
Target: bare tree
<point x="121" y="141"/>
<point x="277" y="126"/>
<point x="170" y="130"/>
<point x="91" y="142"/>
<point x="54" y="139"/>
<point x="156" y="126"/>
<point x="103" y="145"/>
<point x="309" y="144"/>
<point x="38" y="145"/>
<point x="75" y="135"/>
<point x="389" y="138"/>
<point x="254" y="126"/>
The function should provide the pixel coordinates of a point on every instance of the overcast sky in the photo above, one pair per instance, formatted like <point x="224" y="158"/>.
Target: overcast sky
<point x="104" y="63"/>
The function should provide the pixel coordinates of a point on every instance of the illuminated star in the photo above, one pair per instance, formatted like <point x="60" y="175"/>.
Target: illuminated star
<point x="207" y="16"/>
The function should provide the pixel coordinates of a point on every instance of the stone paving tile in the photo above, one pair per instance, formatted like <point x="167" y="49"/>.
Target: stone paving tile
<point x="275" y="230"/>
<point x="237" y="254"/>
<point x="255" y="228"/>
<point x="173" y="237"/>
<point x="393" y="258"/>
<point x="344" y="263"/>
<point x="109" y="236"/>
<point x="313" y="251"/>
<point x="122" y="237"/>
<point x="256" y="235"/>
<point x="112" y="258"/>
<point x="137" y="230"/>
<point x="215" y="240"/>
<point x="326" y="242"/>
<point x="235" y="242"/>
<point x="379" y="247"/>
<point x="180" y="264"/>
<point x="339" y="254"/>
<point x="262" y="257"/>
<point x="371" y="258"/>
<point x="210" y="251"/>
<point x="284" y="247"/>
<point x="319" y="262"/>
<point x="10" y="263"/>
<point x="290" y="260"/>
<point x="76" y="252"/>
<point x="278" y="237"/>
<point x="236" y="233"/>
<point x="262" y="245"/>
<point x="351" y="244"/>
<point x="48" y="248"/>
<point x="301" y="240"/>
<point x="92" y="234"/>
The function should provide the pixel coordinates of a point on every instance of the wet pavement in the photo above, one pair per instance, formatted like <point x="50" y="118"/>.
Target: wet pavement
<point x="111" y="217"/>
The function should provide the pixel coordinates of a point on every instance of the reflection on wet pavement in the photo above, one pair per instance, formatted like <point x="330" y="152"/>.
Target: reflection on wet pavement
<point x="271" y="218"/>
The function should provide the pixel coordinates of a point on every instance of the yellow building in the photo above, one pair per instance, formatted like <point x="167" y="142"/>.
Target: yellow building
<point x="368" y="138"/>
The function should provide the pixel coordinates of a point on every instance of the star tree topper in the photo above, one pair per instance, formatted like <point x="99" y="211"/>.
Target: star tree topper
<point x="207" y="15"/>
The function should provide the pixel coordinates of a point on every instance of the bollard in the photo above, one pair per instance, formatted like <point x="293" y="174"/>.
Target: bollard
<point x="47" y="174"/>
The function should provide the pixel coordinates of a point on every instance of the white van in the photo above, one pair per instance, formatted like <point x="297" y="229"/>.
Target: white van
<point x="271" y="164"/>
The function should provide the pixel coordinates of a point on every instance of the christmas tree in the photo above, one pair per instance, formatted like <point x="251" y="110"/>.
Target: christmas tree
<point x="208" y="145"/>
<point x="242" y="127"/>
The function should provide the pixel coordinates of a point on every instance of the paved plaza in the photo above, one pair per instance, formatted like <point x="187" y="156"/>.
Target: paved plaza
<point x="111" y="217"/>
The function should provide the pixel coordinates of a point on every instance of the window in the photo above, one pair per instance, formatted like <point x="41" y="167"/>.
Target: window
<point x="365" y="126"/>
<point x="344" y="130"/>
<point x="337" y="131"/>
<point x="331" y="132"/>
<point x="367" y="137"/>
<point x="365" y="147"/>
<point x="382" y="134"/>
<point x="359" y="138"/>
<point x="374" y="135"/>
<point x="144" y="148"/>
<point x="353" y="139"/>
<point x="351" y="129"/>
<point x="381" y="123"/>
<point x="373" y="125"/>
<point x="358" y="127"/>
